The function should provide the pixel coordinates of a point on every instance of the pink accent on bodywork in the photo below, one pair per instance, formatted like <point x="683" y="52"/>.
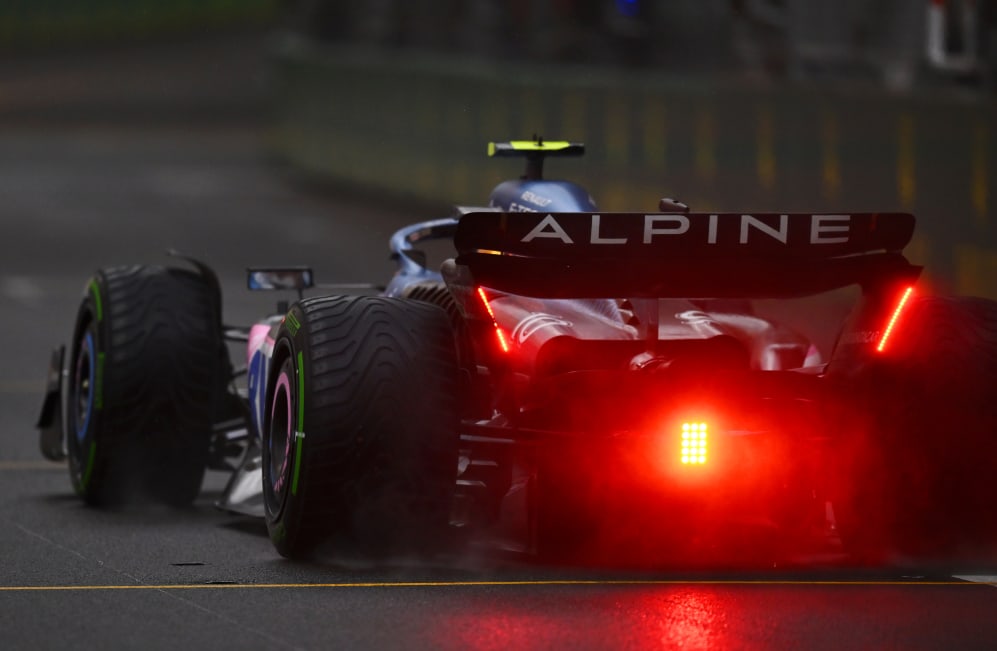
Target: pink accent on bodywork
<point x="257" y="337"/>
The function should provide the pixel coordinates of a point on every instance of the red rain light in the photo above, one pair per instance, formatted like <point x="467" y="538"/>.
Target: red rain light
<point x="695" y="446"/>
<point x="893" y="319"/>
<point x="503" y="342"/>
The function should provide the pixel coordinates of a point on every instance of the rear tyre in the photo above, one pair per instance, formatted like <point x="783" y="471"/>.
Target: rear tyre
<point x="583" y="511"/>
<point x="929" y="476"/>
<point x="565" y="529"/>
<point x="474" y="391"/>
<point x="144" y="375"/>
<point x="360" y="436"/>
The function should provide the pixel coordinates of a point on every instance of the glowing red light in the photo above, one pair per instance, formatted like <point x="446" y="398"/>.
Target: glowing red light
<point x="501" y="339"/>
<point x="503" y="342"/>
<point x="694" y="443"/>
<point x="893" y="319"/>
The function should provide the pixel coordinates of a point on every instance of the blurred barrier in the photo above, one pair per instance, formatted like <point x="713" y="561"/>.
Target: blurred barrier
<point x="46" y="23"/>
<point x="415" y="125"/>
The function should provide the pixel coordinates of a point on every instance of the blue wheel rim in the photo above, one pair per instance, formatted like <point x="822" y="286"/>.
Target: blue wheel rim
<point x="84" y="388"/>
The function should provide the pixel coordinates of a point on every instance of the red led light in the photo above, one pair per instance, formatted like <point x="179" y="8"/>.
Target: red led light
<point x="501" y="339"/>
<point x="694" y="443"/>
<point x="893" y="319"/>
<point x="503" y="342"/>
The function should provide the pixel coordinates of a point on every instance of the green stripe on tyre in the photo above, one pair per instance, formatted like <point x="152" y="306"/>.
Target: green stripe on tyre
<point x="301" y="391"/>
<point x="96" y="299"/>
<point x="299" y="433"/>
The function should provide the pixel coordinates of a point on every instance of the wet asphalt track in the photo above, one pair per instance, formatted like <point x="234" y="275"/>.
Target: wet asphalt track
<point x="73" y="198"/>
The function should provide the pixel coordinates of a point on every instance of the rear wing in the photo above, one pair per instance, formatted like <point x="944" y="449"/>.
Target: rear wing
<point x="589" y="255"/>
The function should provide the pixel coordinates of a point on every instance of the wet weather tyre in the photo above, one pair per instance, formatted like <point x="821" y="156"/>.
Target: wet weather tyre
<point x="474" y="391"/>
<point x="143" y="378"/>
<point x="935" y="416"/>
<point x="360" y="434"/>
<point x="562" y="514"/>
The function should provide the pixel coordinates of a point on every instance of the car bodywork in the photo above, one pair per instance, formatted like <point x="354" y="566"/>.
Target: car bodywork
<point x="619" y="354"/>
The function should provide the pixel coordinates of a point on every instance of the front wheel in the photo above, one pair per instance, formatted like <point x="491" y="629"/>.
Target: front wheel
<point x="144" y="374"/>
<point x="360" y="434"/>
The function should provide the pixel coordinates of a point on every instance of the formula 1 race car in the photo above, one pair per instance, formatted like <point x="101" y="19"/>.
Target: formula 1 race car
<point x="638" y="382"/>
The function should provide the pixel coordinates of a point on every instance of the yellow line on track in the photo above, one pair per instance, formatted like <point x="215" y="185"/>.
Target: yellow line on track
<point x="474" y="584"/>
